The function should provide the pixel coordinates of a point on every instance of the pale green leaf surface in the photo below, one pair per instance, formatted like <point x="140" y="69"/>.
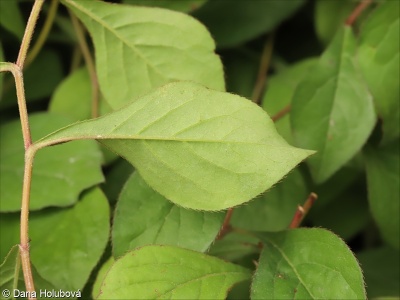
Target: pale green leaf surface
<point x="141" y="48"/>
<point x="38" y="83"/>
<point x="144" y="217"/>
<point x="323" y="118"/>
<point x="199" y="148"/>
<point x="235" y="22"/>
<point x="166" y="272"/>
<point x="378" y="55"/>
<point x="307" y="264"/>
<point x="11" y="18"/>
<point x="100" y="277"/>
<point x="274" y="210"/>
<point x="280" y="91"/>
<point x="381" y="268"/>
<point x="60" y="173"/>
<point x="178" y="5"/>
<point x="67" y="243"/>
<point x="8" y="271"/>
<point x="73" y="97"/>
<point x="383" y="172"/>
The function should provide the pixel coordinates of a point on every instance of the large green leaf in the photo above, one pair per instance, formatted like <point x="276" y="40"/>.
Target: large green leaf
<point x="144" y="217"/>
<point x="199" y="148"/>
<point x="235" y="22"/>
<point x="11" y="18"/>
<point x="383" y="169"/>
<point x="179" y="5"/>
<point x="378" y="261"/>
<point x="378" y="55"/>
<point x="67" y="243"/>
<point x="141" y="48"/>
<point x="274" y="210"/>
<point x="332" y="110"/>
<point x="307" y="264"/>
<point x="59" y="174"/>
<point x="167" y="272"/>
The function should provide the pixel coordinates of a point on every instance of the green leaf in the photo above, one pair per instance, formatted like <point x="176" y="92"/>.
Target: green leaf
<point x="378" y="55"/>
<point x="141" y="48"/>
<point x="73" y="97"/>
<point x="38" y="83"/>
<point x="67" y="243"/>
<point x="60" y="173"/>
<point x="199" y="148"/>
<point x="169" y="272"/>
<point x="383" y="169"/>
<point x="323" y="118"/>
<point x="158" y="221"/>
<point x="274" y="210"/>
<point x="307" y="264"/>
<point x="280" y="91"/>
<point x="329" y="16"/>
<point x="100" y="277"/>
<point x="234" y="22"/>
<point x="1" y="73"/>
<point x="179" y="5"/>
<point x="375" y="262"/>
<point x="10" y="268"/>
<point x="11" y="18"/>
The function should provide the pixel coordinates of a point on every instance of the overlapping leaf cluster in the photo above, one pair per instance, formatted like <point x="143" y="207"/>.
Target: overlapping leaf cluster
<point x="149" y="229"/>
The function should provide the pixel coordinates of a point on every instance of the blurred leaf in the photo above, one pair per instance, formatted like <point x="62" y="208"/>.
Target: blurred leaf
<point x="1" y="73"/>
<point x="66" y="254"/>
<point x="179" y="5"/>
<point x="144" y="217"/>
<point x="60" y="173"/>
<point x="9" y="233"/>
<point x="38" y="82"/>
<point x="329" y="17"/>
<point x="235" y="22"/>
<point x="376" y="263"/>
<point x="274" y="210"/>
<point x="280" y="91"/>
<point x="11" y="18"/>
<point x="307" y="264"/>
<point x="172" y="273"/>
<point x="378" y="55"/>
<point x="383" y="169"/>
<point x="199" y="148"/>
<point x="162" y="45"/>
<point x="101" y="275"/>
<point x="7" y="277"/>
<point x="323" y="118"/>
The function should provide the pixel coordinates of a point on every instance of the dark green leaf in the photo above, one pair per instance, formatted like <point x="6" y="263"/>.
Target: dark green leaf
<point x="381" y="268"/>
<point x="307" y="264"/>
<point x="234" y="22"/>
<point x="141" y="48"/>
<point x="11" y="18"/>
<point x="199" y="148"/>
<point x="169" y="272"/>
<point x="383" y="169"/>
<point x="179" y="5"/>
<point x="274" y="210"/>
<point x="60" y="173"/>
<point x="378" y="55"/>
<point x="158" y="221"/>
<point x="323" y="118"/>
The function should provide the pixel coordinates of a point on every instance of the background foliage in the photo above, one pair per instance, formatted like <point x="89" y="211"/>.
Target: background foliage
<point x="91" y="211"/>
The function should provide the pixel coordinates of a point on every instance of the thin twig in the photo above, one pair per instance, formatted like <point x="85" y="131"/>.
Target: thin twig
<point x="89" y="63"/>
<point x="263" y="70"/>
<point x="226" y="227"/>
<point x="357" y="12"/>
<point x="281" y="113"/>
<point x="302" y="211"/>
<point x="44" y="33"/>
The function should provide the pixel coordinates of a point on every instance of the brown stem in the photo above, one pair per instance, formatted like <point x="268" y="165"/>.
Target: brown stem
<point x="357" y="12"/>
<point x="302" y="211"/>
<point x="89" y="63"/>
<point x="226" y="227"/>
<point x="282" y="113"/>
<point x="264" y="66"/>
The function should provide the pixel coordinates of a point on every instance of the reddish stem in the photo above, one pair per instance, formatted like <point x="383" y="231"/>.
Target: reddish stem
<point x="226" y="227"/>
<point x="302" y="211"/>
<point x="281" y="113"/>
<point x="357" y="12"/>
